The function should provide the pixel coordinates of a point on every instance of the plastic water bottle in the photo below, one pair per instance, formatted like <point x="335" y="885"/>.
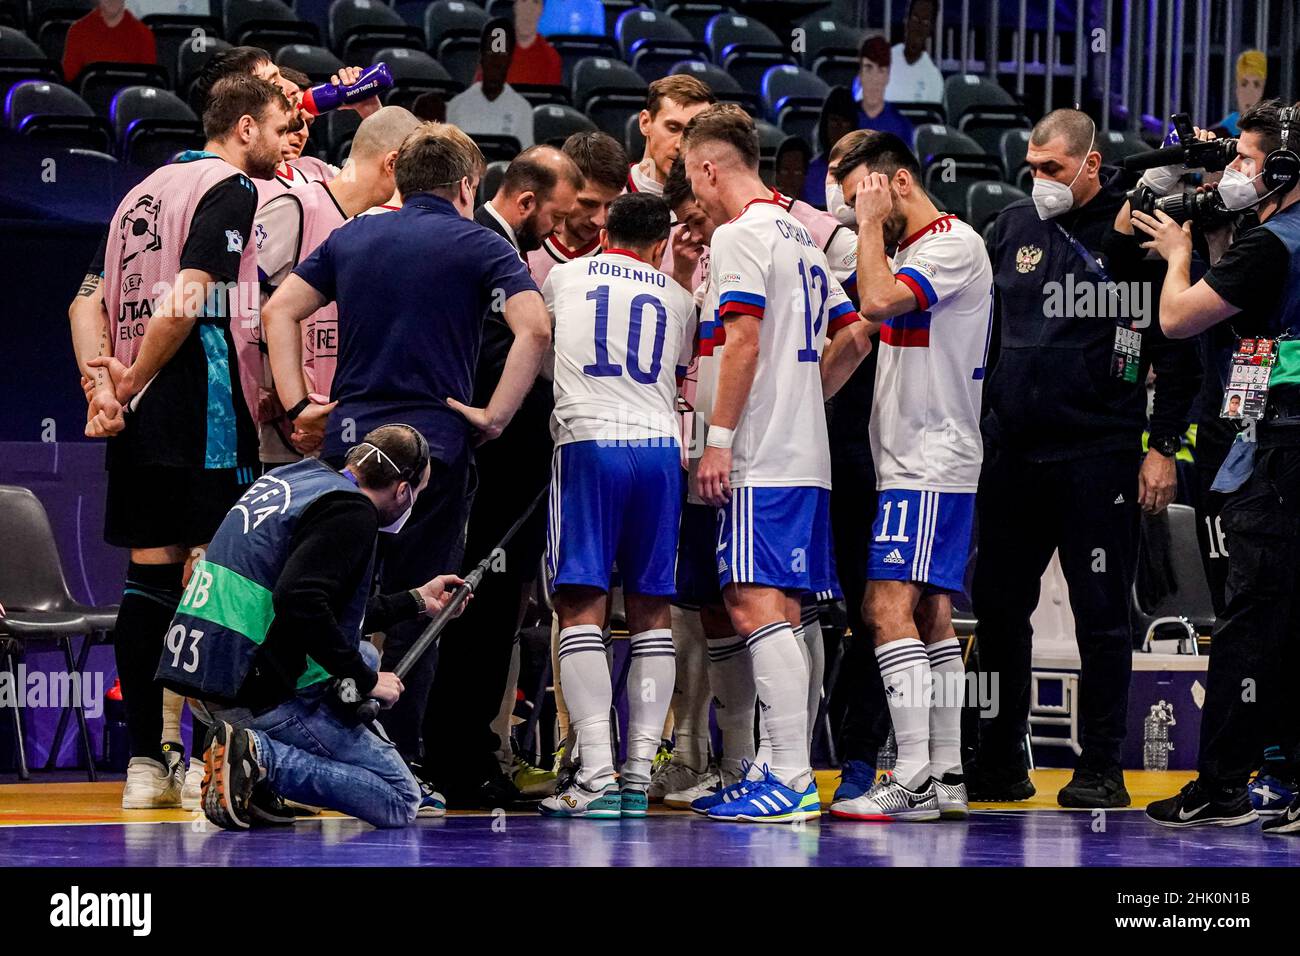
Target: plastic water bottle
<point x="1155" y="736"/>
<point x="326" y="96"/>
<point x="887" y="758"/>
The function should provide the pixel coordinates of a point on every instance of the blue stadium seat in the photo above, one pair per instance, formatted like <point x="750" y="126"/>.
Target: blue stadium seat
<point x="452" y="30"/>
<point x="414" y="73"/>
<point x="357" y="28"/>
<point x="173" y="31"/>
<point x="1012" y="150"/>
<point x="498" y="148"/>
<point x="724" y="86"/>
<point x="48" y="22"/>
<point x="22" y="59"/>
<point x="984" y="200"/>
<point x="574" y="49"/>
<point x="918" y="114"/>
<point x="99" y="82"/>
<point x="541" y="94"/>
<point x="553" y="123"/>
<point x="1115" y="145"/>
<point x="633" y="141"/>
<point x="50" y="113"/>
<point x="744" y="47"/>
<point x="317" y="62"/>
<point x="265" y="23"/>
<point x="190" y="60"/>
<point x="332" y="133"/>
<point x="652" y="42"/>
<point x="794" y="99"/>
<point x="693" y="16"/>
<point x="152" y="125"/>
<point x="982" y="109"/>
<point x="608" y="91"/>
<point x="951" y="161"/>
<point x="830" y="49"/>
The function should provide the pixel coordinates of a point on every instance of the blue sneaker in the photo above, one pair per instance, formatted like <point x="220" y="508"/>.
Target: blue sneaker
<point x="432" y="803"/>
<point x="856" y="778"/>
<point x="1271" y="795"/>
<point x="719" y="795"/>
<point x="771" y="801"/>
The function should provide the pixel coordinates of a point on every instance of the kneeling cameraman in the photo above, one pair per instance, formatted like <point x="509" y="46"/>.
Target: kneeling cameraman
<point x="274" y="614"/>
<point x="1255" y="287"/>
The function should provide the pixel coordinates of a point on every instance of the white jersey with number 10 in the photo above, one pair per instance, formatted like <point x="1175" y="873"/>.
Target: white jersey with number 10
<point x="766" y="264"/>
<point x="623" y="335"/>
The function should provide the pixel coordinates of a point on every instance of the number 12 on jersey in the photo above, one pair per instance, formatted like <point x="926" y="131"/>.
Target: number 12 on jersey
<point x="810" y="277"/>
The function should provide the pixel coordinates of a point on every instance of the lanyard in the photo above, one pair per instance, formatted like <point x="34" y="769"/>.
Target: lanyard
<point x="1093" y="262"/>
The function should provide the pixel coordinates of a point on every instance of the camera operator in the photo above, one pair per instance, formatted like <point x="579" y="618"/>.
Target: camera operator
<point x="1252" y="288"/>
<point x="1065" y="409"/>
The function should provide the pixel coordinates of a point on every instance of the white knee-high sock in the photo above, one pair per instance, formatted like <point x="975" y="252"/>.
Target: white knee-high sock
<point x="947" y="673"/>
<point x="781" y="680"/>
<point x="691" y="690"/>
<point x="649" y="692"/>
<point x="587" y="692"/>
<point x="812" y="635"/>
<point x="905" y="669"/>
<point x="731" y="679"/>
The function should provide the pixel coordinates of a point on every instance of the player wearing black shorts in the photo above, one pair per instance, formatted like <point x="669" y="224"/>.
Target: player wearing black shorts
<point x="183" y="446"/>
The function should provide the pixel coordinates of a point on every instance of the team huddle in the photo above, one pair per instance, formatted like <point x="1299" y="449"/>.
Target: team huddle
<point x="777" y="335"/>
<point x="691" y="327"/>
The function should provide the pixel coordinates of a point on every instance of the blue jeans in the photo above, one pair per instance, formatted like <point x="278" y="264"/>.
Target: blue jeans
<point x="315" y="755"/>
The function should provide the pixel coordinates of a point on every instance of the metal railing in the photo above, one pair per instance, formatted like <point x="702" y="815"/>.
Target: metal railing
<point x="1146" y="58"/>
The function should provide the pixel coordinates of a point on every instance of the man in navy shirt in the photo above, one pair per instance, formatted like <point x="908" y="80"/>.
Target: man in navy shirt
<point x="412" y="288"/>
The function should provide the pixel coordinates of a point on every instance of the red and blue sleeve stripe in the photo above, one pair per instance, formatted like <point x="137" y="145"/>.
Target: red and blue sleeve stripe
<point x="910" y="330"/>
<point x="920" y="286"/>
<point x="841" y="316"/>
<point x="741" y="303"/>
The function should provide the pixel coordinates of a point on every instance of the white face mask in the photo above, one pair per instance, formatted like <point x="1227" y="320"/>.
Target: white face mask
<point x="837" y="207"/>
<point x="397" y="523"/>
<point x="1237" y="190"/>
<point x="1052" y="198"/>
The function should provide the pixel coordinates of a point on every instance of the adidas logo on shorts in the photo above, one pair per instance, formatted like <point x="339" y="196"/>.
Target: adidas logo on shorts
<point x="895" y="557"/>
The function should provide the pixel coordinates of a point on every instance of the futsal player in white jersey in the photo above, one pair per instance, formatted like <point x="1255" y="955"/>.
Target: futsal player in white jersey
<point x="766" y="464"/>
<point x="623" y="334"/>
<point x="935" y="303"/>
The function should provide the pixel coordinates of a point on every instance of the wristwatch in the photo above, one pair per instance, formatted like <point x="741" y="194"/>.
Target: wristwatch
<point x="419" y="601"/>
<point x="1167" y="445"/>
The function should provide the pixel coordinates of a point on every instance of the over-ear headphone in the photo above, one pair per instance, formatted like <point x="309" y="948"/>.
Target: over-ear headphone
<point x="1282" y="166"/>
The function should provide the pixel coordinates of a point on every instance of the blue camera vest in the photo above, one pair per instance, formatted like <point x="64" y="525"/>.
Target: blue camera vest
<point x="226" y="611"/>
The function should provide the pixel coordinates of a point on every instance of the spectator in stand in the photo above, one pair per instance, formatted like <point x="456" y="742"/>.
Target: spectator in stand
<point x="491" y="107"/>
<point x="874" y="109"/>
<point x="536" y="61"/>
<point x="1252" y="72"/>
<point x="913" y="76"/>
<point x="107" y="34"/>
<point x="792" y="159"/>
<point x="839" y="118"/>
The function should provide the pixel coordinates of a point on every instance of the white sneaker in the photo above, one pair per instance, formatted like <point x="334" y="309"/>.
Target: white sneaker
<point x="890" y="800"/>
<point x="950" y="792"/>
<point x="705" y="783"/>
<point x="150" y="786"/>
<point x="577" y="801"/>
<point x="192" y="789"/>
<point x="671" y="777"/>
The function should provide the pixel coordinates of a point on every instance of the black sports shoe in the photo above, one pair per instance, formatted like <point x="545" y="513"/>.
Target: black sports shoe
<point x="230" y="770"/>
<point x="493" y="792"/>
<point x="1095" y="790"/>
<point x="1195" y="806"/>
<point x="999" y="784"/>
<point x="266" y="809"/>
<point x="1287" y="821"/>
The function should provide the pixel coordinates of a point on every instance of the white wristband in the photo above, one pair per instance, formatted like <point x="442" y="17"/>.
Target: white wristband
<point x="720" y="437"/>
